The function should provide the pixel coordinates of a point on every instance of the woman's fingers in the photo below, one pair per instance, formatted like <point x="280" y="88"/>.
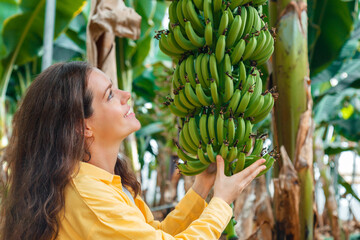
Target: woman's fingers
<point x="253" y="174"/>
<point x="219" y="166"/>
<point x="252" y="169"/>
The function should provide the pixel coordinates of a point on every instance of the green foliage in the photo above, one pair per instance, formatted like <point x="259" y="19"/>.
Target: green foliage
<point x="348" y="188"/>
<point x="336" y="91"/>
<point x="330" y="25"/>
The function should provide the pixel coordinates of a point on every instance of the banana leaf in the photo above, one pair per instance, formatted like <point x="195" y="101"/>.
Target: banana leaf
<point x="22" y="32"/>
<point x="330" y="25"/>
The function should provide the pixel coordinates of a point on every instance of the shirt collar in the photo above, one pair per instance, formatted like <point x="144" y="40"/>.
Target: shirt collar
<point x="92" y="170"/>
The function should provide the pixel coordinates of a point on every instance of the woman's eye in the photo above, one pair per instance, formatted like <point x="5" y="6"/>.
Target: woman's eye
<point x="111" y="95"/>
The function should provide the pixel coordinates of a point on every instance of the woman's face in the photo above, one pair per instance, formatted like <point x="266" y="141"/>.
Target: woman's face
<point x="111" y="120"/>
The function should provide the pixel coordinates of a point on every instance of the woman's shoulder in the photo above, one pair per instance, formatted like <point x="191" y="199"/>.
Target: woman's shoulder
<point x="93" y="182"/>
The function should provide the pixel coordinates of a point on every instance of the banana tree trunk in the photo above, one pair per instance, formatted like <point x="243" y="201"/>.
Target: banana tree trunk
<point x="293" y="123"/>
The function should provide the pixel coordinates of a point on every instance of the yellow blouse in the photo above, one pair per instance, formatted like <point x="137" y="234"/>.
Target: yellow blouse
<point x="97" y="208"/>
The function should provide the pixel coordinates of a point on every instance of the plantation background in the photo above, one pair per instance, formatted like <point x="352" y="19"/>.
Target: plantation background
<point x="334" y="66"/>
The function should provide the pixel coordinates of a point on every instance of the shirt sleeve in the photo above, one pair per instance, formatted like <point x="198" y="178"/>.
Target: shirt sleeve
<point x="186" y="211"/>
<point x="116" y="219"/>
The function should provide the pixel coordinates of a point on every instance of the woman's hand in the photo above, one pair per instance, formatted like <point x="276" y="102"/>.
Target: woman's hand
<point x="205" y="181"/>
<point x="229" y="188"/>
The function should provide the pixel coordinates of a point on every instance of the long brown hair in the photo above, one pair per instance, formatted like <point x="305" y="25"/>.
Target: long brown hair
<point x="45" y="148"/>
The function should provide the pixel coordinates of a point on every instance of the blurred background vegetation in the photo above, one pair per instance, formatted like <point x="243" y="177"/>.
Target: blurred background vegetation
<point x="334" y="61"/>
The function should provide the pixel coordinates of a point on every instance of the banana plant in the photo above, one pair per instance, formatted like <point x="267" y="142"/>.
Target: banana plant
<point x="21" y="38"/>
<point x="292" y="69"/>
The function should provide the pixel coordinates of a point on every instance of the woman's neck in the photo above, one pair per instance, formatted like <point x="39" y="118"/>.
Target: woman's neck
<point x="104" y="156"/>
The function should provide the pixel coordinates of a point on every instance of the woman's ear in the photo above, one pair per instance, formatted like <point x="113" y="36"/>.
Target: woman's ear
<point x="88" y="133"/>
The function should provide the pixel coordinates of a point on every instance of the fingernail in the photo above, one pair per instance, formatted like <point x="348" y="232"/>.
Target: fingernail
<point x="263" y="168"/>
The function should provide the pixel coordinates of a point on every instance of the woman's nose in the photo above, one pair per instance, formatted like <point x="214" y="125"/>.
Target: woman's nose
<point x="125" y="96"/>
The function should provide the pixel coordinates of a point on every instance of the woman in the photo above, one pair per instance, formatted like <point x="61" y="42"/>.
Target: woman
<point x="67" y="182"/>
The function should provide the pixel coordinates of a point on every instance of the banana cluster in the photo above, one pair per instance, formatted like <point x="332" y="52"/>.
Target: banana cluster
<point x="217" y="88"/>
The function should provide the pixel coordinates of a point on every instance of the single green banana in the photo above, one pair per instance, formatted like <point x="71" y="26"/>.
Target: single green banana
<point x="234" y="102"/>
<point x="211" y="128"/>
<point x="224" y="150"/>
<point x="238" y="52"/>
<point x="205" y="68"/>
<point x="178" y="104"/>
<point x="248" y="145"/>
<point x="203" y="99"/>
<point x="187" y="134"/>
<point x="209" y="33"/>
<point x="213" y="68"/>
<point x="243" y="15"/>
<point x="233" y="32"/>
<point x="231" y="17"/>
<point x="192" y="36"/>
<point x="210" y="152"/>
<point x="181" y="40"/>
<point x="194" y="132"/>
<point x="257" y="21"/>
<point x="258" y="146"/>
<point x="198" y="60"/>
<point x="229" y="88"/>
<point x="245" y="99"/>
<point x="239" y="165"/>
<point x="214" y="92"/>
<point x="250" y="20"/>
<point x="194" y="19"/>
<point x="220" y="48"/>
<point x="182" y="72"/>
<point x="201" y="155"/>
<point x="190" y="70"/>
<point x="179" y="14"/>
<point x="233" y="151"/>
<point x="175" y="79"/>
<point x="231" y="130"/>
<point x="224" y="22"/>
<point x="255" y="97"/>
<point x="185" y="101"/>
<point x="248" y="128"/>
<point x="191" y="96"/>
<point x="185" y="144"/>
<point x="242" y="76"/>
<point x="208" y="13"/>
<point x="240" y="129"/>
<point x="248" y="84"/>
<point x="220" y="128"/>
<point x="172" y="12"/>
<point x="249" y="49"/>
<point x="203" y="128"/>
<point x="177" y="111"/>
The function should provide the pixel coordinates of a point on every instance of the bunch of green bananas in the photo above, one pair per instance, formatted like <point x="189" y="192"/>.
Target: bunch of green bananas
<point x="217" y="88"/>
